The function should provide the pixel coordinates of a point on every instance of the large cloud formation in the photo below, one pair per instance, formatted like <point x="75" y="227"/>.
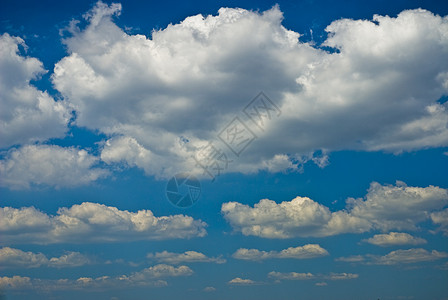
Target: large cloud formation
<point x="93" y="222"/>
<point x="166" y="96"/>
<point x="385" y="207"/>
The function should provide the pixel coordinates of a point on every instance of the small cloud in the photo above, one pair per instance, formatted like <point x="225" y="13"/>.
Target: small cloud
<point x="301" y="252"/>
<point x="394" y="239"/>
<point x="240" y="281"/>
<point x="186" y="257"/>
<point x="321" y="284"/>
<point x="209" y="289"/>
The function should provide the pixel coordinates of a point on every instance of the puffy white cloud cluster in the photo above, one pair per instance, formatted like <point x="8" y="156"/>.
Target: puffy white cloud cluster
<point x="10" y="257"/>
<point x="408" y="256"/>
<point x="50" y="165"/>
<point x="186" y="257"/>
<point x="94" y="223"/>
<point x="300" y="252"/>
<point x="26" y="113"/>
<point x="379" y="91"/>
<point x="394" y="239"/>
<point x="152" y="277"/>
<point x="385" y="207"/>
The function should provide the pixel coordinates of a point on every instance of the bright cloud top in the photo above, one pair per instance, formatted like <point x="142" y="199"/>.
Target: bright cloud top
<point x="92" y="222"/>
<point x="385" y="207"/>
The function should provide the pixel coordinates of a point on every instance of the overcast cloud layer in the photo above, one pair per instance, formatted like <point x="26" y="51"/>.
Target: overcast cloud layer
<point x="160" y="99"/>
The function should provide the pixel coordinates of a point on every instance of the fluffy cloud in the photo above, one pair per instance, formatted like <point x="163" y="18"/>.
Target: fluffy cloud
<point x="385" y="207"/>
<point x="10" y="257"/>
<point x="26" y="113"/>
<point x="409" y="256"/>
<point x="441" y="218"/>
<point x="394" y="239"/>
<point x="162" y="98"/>
<point x="186" y="257"/>
<point x="300" y="252"/>
<point x="93" y="222"/>
<point x="240" y="281"/>
<point x="150" y="277"/>
<point x="306" y="276"/>
<point x="36" y="165"/>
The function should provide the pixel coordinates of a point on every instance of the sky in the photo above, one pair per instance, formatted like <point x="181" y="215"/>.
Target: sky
<point x="223" y="150"/>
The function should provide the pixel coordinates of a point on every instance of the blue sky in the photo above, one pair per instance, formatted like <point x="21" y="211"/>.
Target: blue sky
<point x="318" y="131"/>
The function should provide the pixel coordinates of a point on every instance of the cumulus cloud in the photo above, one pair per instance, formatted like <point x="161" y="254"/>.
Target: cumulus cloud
<point x="26" y="113"/>
<point x="93" y="222"/>
<point x="13" y="258"/>
<point x="384" y="207"/>
<point x="241" y="281"/>
<point x="192" y="78"/>
<point x="300" y="252"/>
<point x="150" y="277"/>
<point x="186" y="257"/>
<point x="49" y="165"/>
<point x="441" y="218"/>
<point x="306" y="276"/>
<point x="397" y="257"/>
<point x="394" y="239"/>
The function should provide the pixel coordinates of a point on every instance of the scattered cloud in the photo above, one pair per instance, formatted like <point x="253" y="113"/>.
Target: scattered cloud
<point x="397" y="257"/>
<point x="240" y="281"/>
<point x="300" y="252"/>
<point x="384" y="207"/>
<point x="441" y="218"/>
<point x="307" y="276"/>
<point x="149" y="277"/>
<point x="394" y="239"/>
<point x="290" y="276"/>
<point x="27" y="114"/>
<point x="209" y="289"/>
<point x="186" y="257"/>
<point x="16" y="258"/>
<point x="190" y="79"/>
<point x="93" y="222"/>
<point x="49" y="165"/>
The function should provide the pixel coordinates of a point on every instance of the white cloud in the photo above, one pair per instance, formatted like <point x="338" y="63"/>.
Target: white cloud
<point x="13" y="258"/>
<point x="409" y="256"/>
<point x="209" y="289"/>
<point x="441" y="218"/>
<point x="93" y="222"/>
<point x="186" y="257"/>
<point x="290" y="276"/>
<point x="394" y="239"/>
<point x="190" y="79"/>
<point x="385" y="207"/>
<point x="149" y="277"/>
<point x="50" y="165"/>
<point x="307" y="276"/>
<point x="26" y="113"/>
<point x="240" y="281"/>
<point x="300" y="252"/>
